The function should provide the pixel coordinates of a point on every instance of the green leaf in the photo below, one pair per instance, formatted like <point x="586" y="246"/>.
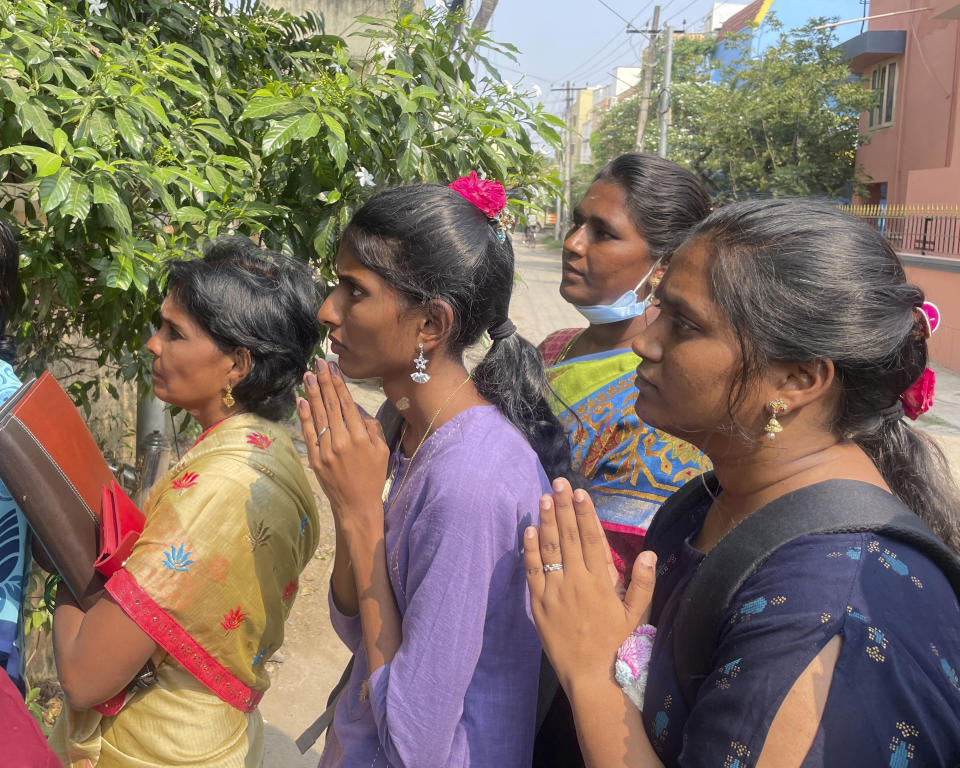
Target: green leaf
<point x="103" y="191"/>
<point x="268" y="107"/>
<point x="424" y="92"/>
<point x="33" y="117"/>
<point x="46" y="162"/>
<point x="78" y="202"/>
<point x="189" y="214"/>
<point x="407" y="162"/>
<point x="223" y="106"/>
<point x="279" y="134"/>
<point x="154" y="107"/>
<point x="216" y="132"/>
<point x="120" y="272"/>
<point x="13" y="91"/>
<point x="308" y="126"/>
<point x="98" y="127"/>
<point x="338" y="149"/>
<point x="60" y="141"/>
<point x="128" y="131"/>
<point x="54" y="189"/>
<point x="217" y="180"/>
<point x="335" y="127"/>
<point x="120" y="216"/>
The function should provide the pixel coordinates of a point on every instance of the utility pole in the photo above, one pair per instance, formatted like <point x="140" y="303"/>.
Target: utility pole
<point x="567" y="158"/>
<point x="649" y="58"/>
<point x="664" y="109"/>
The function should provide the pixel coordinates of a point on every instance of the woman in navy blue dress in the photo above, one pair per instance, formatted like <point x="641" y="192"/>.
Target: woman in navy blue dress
<point x="783" y="320"/>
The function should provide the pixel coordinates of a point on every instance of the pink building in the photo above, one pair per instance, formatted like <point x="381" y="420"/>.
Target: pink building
<point x="912" y="157"/>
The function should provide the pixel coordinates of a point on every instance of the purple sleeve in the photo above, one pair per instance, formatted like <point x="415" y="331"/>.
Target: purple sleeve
<point x="464" y="535"/>
<point x="347" y="627"/>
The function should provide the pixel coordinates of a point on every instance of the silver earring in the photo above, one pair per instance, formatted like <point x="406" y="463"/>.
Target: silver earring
<point x="420" y="375"/>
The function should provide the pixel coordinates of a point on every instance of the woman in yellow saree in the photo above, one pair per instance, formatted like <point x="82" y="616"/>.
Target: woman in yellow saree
<point x="210" y="582"/>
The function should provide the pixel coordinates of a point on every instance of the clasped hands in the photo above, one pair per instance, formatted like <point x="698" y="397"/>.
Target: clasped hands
<point x="346" y="448"/>
<point x="581" y="618"/>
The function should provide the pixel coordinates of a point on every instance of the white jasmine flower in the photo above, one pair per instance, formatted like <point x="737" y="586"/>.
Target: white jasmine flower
<point x="509" y="86"/>
<point x="537" y="91"/>
<point x="386" y="49"/>
<point x="364" y="177"/>
<point x="322" y="197"/>
<point x="96" y="7"/>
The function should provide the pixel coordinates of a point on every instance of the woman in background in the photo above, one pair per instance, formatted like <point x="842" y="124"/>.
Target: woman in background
<point x="637" y="211"/>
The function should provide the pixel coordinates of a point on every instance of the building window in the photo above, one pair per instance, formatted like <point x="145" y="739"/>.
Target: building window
<point x="884" y="82"/>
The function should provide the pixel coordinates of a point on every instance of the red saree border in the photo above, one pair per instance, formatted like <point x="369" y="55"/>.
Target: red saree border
<point x="164" y="630"/>
<point x="621" y="528"/>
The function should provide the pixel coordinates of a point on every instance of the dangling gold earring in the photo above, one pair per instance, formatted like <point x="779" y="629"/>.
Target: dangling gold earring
<point x="228" y="400"/>
<point x="774" y="427"/>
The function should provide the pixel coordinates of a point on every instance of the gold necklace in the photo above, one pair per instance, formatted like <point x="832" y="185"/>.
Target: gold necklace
<point x="387" y="486"/>
<point x="565" y="351"/>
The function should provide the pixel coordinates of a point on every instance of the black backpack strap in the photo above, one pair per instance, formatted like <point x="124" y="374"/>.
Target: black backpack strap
<point x="674" y="511"/>
<point x="834" y="506"/>
<point x="309" y="737"/>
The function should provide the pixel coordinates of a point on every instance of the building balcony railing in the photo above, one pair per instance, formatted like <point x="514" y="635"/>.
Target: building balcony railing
<point x="924" y="229"/>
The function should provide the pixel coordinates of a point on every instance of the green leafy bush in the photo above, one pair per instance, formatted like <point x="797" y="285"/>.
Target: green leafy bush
<point x="131" y="131"/>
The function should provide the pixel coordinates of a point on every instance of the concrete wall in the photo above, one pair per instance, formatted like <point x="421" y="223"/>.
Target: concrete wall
<point x="919" y="155"/>
<point x="340" y="15"/>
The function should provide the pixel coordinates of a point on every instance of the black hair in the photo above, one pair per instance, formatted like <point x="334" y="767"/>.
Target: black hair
<point x="664" y="199"/>
<point x="244" y="296"/>
<point x="9" y="287"/>
<point x="429" y="243"/>
<point x="802" y="281"/>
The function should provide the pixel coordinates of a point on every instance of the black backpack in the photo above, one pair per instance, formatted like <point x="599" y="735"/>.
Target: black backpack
<point x="833" y="506"/>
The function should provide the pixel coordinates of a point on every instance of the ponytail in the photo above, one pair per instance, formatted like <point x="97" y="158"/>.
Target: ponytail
<point x="917" y="472"/>
<point x="511" y="377"/>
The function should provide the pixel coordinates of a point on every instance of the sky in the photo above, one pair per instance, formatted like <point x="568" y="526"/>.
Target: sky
<point x="582" y="40"/>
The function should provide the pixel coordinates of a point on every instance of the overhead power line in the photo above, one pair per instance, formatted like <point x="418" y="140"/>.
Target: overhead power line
<point x="606" y="45"/>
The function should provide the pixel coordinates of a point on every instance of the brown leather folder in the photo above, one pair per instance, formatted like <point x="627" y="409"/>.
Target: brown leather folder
<point x="55" y="472"/>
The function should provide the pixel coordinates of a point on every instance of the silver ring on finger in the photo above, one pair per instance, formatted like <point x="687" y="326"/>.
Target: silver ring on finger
<point x="322" y="431"/>
<point x="553" y="567"/>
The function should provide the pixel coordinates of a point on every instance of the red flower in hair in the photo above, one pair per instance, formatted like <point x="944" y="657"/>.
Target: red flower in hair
<point x="918" y="398"/>
<point x="488" y="196"/>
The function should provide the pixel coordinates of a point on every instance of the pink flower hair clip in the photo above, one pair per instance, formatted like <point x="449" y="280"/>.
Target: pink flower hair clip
<point x="489" y="196"/>
<point x="918" y="397"/>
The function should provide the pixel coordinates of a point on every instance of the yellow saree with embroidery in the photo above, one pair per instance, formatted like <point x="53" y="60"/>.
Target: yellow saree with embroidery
<point x="211" y="580"/>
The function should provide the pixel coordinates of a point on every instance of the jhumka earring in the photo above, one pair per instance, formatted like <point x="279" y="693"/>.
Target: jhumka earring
<point x="228" y="400"/>
<point x="420" y="375"/>
<point x="773" y="427"/>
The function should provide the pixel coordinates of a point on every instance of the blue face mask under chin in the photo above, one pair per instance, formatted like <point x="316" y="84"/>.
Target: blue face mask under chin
<point x="626" y="307"/>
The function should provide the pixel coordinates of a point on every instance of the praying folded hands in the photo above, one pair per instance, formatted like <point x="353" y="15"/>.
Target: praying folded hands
<point x="580" y="616"/>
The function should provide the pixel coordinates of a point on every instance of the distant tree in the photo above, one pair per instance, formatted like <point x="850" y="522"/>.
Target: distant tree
<point x="784" y="122"/>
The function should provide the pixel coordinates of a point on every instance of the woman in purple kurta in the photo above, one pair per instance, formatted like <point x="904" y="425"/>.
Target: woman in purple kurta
<point x="453" y="556"/>
<point x="428" y="584"/>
